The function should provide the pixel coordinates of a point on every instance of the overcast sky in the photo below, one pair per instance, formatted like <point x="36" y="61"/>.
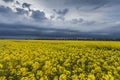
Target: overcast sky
<point x="37" y="17"/>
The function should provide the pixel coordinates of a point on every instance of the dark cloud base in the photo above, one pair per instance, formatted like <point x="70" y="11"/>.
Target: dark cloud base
<point x="30" y="32"/>
<point x="8" y="0"/>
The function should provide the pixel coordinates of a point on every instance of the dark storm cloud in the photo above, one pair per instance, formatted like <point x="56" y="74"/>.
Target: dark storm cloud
<point x="17" y="2"/>
<point x="38" y="15"/>
<point x="61" y="12"/>
<point x="21" y="11"/>
<point x="34" y="32"/>
<point x="7" y="15"/>
<point x="8" y="0"/>
<point x="102" y="18"/>
<point x="5" y="10"/>
<point x="26" y="5"/>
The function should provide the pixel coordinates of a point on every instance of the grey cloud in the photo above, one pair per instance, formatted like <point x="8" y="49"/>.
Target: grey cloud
<point x="60" y="4"/>
<point x="82" y="21"/>
<point x="38" y="15"/>
<point x="26" y="5"/>
<point x="34" y="32"/>
<point x="61" y="12"/>
<point x="87" y="4"/>
<point x="17" y="2"/>
<point x="7" y="15"/>
<point x="89" y="23"/>
<point x="21" y="11"/>
<point x="52" y="16"/>
<point x="113" y="29"/>
<point x="8" y="0"/>
<point x="60" y="18"/>
<point x="76" y="21"/>
<point x="101" y="16"/>
<point x="5" y="10"/>
<point x="82" y="5"/>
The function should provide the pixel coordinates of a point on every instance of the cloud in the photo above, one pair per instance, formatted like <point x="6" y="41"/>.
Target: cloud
<point x="8" y="0"/>
<point x="8" y="16"/>
<point x="26" y="5"/>
<point x="38" y="15"/>
<point x="60" y="18"/>
<point x="76" y="21"/>
<point x="82" y="15"/>
<point x="52" y="17"/>
<point x="81" y="21"/>
<point x="5" y="10"/>
<point x="35" y="32"/>
<point x="87" y="4"/>
<point x="21" y="11"/>
<point x="17" y="2"/>
<point x="61" y="12"/>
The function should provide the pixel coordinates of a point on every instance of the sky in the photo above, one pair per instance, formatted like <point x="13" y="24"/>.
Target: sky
<point x="60" y="18"/>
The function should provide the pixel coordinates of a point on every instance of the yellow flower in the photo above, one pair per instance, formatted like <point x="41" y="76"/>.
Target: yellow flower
<point x="3" y="78"/>
<point x="1" y="66"/>
<point x="91" y="77"/>
<point x="62" y="77"/>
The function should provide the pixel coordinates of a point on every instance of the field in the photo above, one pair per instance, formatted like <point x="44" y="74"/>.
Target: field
<point x="59" y="60"/>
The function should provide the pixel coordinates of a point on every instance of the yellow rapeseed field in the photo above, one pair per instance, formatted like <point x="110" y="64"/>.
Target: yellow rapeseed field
<point x="59" y="60"/>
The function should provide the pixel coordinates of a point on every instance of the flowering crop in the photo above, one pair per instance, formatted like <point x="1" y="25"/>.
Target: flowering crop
<point x="59" y="60"/>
